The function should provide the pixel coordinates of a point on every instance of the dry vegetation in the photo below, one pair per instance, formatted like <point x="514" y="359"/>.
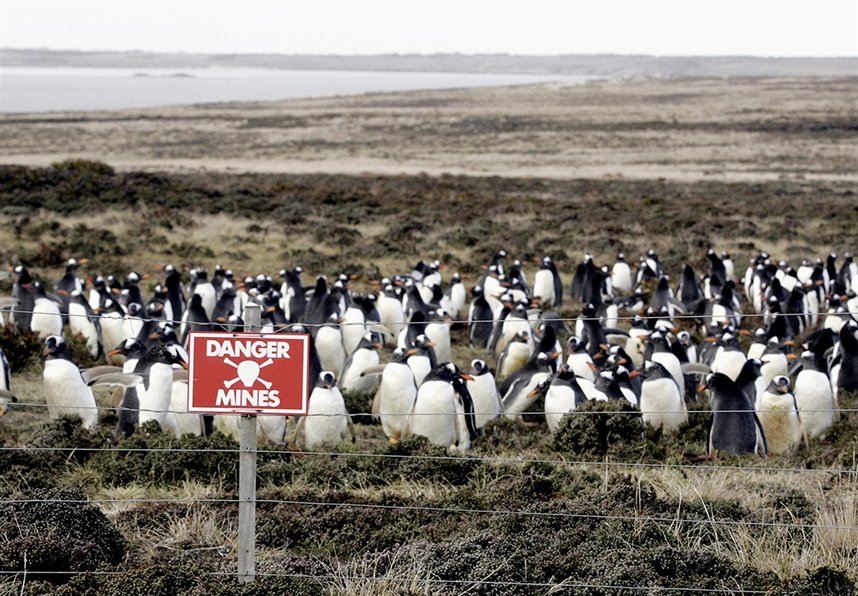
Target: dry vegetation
<point x="747" y="166"/>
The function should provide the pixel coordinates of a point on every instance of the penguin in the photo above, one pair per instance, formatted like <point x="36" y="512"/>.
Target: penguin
<point x="46" y="320"/>
<point x="149" y="398"/>
<point x="132" y="322"/>
<point x="662" y="403"/>
<point x="662" y="354"/>
<point x="454" y="297"/>
<point x="438" y="330"/>
<point x="621" y="275"/>
<point x="479" y="319"/>
<point x="390" y="311"/>
<point x="729" y="359"/>
<point x="83" y="320"/>
<point x="69" y="283"/>
<point x="484" y="392"/>
<point x="365" y="356"/>
<point x="66" y="393"/>
<point x="778" y="414"/>
<point x="131" y="293"/>
<point x="543" y="284"/>
<point x="579" y="360"/>
<point x="735" y="426"/>
<point x="195" y="318"/>
<point x="329" y="344"/>
<point x="111" y="320"/>
<point x="293" y="295"/>
<point x="443" y="410"/>
<point x="25" y="298"/>
<point x="422" y="358"/>
<point x="847" y="372"/>
<point x="516" y="354"/>
<point x="202" y="287"/>
<point x="814" y="397"/>
<point x="564" y="395"/>
<point x="327" y="421"/>
<point x="689" y="291"/>
<point x="353" y="326"/>
<point x="515" y="390"/>
<point x="395" y="396"/>
<point x="227" y="305"/>
<point x="174" y="307"/>
<point x="758" y="346"/>
<point x="5" y="373"/>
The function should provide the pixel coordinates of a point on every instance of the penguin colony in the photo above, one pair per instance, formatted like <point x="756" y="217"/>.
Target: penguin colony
<point x="639" y="338"/>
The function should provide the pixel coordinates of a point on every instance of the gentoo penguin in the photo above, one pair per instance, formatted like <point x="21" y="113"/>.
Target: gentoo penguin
<point x="46" y="319"/>
<point x="83" y="320"/>
<point x="294" y="297"/>
<point x="543" y="284"/>
<point x="758" y="346"/>
<point x="621" y="276"/>
<point x="748" y="378"/>
<point x="778" y="414"/>
<point x="443" y="410"/>
<point x="729" y="359"/>
<point x="563" y="396"/>
<point x="365" y="356"/>
<point x="422" y="358"/>
<point x="174" y="307"/>
<point x="329" y="344"/>
<point x="202" y="287"/>
<point x="390" y="311"/>
<point x="454" y="298"/>
<point x="662" y="354"/>
<point x="112" y="317"/>
<point x="479" y="319"/>
<point x="516" y="354"/>
<point x="327" y="421"/>
<point x="438" y="330"/>
<point x="194" y="319"/>
<point x="814" y="397"/>
<point x="735" y="426"/>
<point x="66" y="393"/>
<point x="69" y="283"/>
<point x="662" y="404"/>
<point x="847" y="371"/>
<point x="484" y="392"/>
<point x="579" y="360"/>
<point x="25" y="298"/>
<point x="395" y="396"/>
<point x="353" y="326"/>
<point x="516" y="389"/>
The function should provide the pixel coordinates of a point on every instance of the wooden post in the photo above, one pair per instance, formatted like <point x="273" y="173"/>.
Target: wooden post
<point x="247" y="474"/>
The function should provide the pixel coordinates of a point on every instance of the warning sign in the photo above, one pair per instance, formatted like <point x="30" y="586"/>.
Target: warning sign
<point x="249" y="373"/>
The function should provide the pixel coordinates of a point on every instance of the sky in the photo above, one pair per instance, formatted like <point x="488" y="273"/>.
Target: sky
<point x="679" y="27"/>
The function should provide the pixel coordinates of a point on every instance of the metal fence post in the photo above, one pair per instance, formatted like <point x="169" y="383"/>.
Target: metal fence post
<point x="247" y="474"/>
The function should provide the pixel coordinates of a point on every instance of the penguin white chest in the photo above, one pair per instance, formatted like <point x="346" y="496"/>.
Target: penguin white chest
<point x="66" y="393"/>
<point x="396" y="396"/>
<point x="559" y="401"/>
<point x="487" y="404"/>
<point x="662" y="405"/>
<point x="434" y="415"/>
<point x="155" y="399"/>
<point x="780" y="422"/>
<point x="815" y="400"/>
<point x="327" y="419"/>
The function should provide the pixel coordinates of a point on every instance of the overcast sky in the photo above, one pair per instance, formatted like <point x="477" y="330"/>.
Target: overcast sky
<point x="681" y="27"/>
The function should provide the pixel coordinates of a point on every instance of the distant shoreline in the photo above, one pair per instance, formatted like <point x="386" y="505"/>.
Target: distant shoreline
<point x="601" y="65"/>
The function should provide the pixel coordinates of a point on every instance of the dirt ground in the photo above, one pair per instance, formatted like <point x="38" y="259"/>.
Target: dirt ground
<point x="680" y="129"/>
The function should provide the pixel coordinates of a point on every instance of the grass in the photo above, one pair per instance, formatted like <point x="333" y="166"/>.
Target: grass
<point x="431" y="516"/>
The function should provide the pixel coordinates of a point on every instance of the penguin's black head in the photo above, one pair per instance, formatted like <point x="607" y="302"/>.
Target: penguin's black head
<point x="176" y="354"/>
<point x="55" y="347"/>
<point x="327" y="379"/>
<point x="479" y="367"/>
<point x="781" y="384"/>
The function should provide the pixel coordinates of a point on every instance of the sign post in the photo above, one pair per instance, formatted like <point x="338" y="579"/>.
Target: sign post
<point x="249" y="374"/>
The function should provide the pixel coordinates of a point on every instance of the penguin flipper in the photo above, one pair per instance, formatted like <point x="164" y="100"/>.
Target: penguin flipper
<point x="691" y="368"/>
<point x="90" y="374"/>
<point x="8" y="395"/>
<point x="122" y="379"/>
<point x="372" y="370"/>
<point x="180" y="375"/>
<point x="762" y="435"/>
<point x="376" y="404"/>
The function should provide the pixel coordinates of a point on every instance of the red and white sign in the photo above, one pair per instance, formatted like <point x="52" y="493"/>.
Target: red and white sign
<point x="249" y="373"/>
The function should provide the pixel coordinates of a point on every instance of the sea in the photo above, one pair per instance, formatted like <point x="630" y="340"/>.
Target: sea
<point x="51" y="89"/>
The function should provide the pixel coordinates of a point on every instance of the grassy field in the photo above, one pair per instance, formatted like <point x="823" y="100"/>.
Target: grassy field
<point x="598" y="507"/>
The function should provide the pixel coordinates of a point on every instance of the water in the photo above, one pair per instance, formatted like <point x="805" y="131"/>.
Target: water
<point x="44" y="89"/>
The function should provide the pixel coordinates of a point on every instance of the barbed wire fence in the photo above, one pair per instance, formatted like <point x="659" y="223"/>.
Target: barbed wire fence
<point x="848" y="474"/>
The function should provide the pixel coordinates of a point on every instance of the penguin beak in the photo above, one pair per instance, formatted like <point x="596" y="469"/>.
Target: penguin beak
<point x="155" y="335"/>
<point x="792" y="356"/>
<point x="634" y="373"/>
<point x="593" y="367"/>
<point x="556" y="355"/>
<point x="411" y="351"/>
<point x="789" y="343"/>
<point x="115" y="352"/>
<point x="83" y="262"/>
<point x="466" y="377"/>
